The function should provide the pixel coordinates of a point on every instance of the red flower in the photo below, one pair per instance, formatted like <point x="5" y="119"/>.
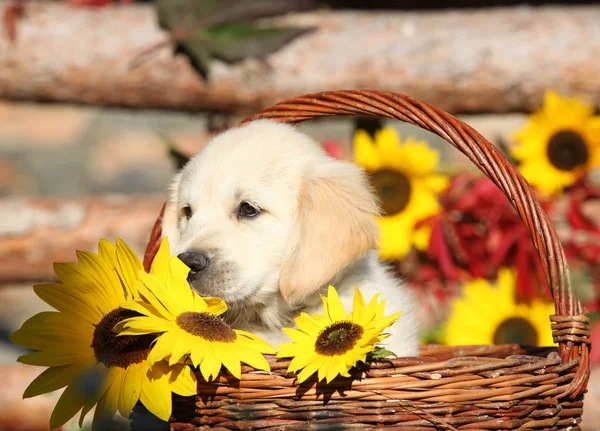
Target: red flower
<point x="582" y="247"/>
<point x="478" y="232"/>
<point x="583" y="242"/>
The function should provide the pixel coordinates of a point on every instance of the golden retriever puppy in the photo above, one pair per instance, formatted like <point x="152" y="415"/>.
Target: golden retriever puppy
<point x="267" y="221"/>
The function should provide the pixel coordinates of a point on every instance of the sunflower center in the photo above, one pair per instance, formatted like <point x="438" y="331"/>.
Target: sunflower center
<point x="338" y="338"/>
<point x="393" y="189"/>
<point x="516" y="330"/>
<point x="207" y="326"/>
<point x="567" y="150"/>
<point x="113" y="351"/>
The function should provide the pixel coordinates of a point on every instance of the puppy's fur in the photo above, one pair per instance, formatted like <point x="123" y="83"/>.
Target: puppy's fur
<point x="315" y="227"/>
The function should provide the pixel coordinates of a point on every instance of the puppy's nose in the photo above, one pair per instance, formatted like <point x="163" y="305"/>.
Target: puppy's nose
<point x="196" y="260"/>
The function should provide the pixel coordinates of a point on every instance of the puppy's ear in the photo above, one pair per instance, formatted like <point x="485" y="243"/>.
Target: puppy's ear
<point x="171" y="216"/>
<point x="335" y="226"/>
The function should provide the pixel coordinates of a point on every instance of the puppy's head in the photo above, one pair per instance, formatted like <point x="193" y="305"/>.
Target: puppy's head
<point x="263" y="210"/>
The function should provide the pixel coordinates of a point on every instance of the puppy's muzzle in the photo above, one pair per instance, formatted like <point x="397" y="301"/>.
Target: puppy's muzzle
<point x="197" y="261"/>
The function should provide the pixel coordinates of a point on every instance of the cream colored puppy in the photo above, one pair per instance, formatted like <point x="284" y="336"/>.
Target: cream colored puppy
<point x="266" y="221"/>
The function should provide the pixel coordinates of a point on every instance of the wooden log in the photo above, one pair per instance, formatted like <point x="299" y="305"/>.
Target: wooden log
<point x="35" y="232"/>
<point x="486" y="60"/>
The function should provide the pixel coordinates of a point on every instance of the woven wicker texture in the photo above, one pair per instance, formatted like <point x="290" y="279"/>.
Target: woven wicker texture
<point x="470" y="387"/>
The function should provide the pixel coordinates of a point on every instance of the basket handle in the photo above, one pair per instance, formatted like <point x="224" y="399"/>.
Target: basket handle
<point x="570" y="327"/>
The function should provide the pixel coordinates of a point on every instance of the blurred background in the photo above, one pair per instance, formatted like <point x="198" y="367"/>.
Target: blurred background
<point x="101" y="101"/>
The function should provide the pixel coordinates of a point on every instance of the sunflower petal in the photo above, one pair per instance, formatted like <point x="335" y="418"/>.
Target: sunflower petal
<point x="335" y="307"/>
<point x="69" y="403"/>
<point x="106" y="408"/>
<point x="210" y="366"/>
<point x="256" y="360"/>
<point x="131" y="387"/>
<point x="161" y="262"/>
<point x="159" y="296"/>
<point x="144" y="325"/>
<point x="53" y="358"/>
<point x="143" y="308"/>
<point x="324" y="368"/>
<point x="436" y="183"/>
<point x="336" y="367"/>
<point x="49" y="329"/>
<point x="198" y="352"/>
<point x="161" y="349"/>
<point x="81" y="279"/>
<point x="178" y="268"/>
<point x="129" y="265"/>
<point x="183" y="380"/>
<point x="103" y="281"/>
<point x="179" y="349"/>
<point x="108" y="252"/>
<point x="231" y="361"/>
<point x="358" y="307"/>
<point x="98" y="380"/>
<point x="255" y="343"/>
<point x="215" y="306"/>
<point x="55" y="378"/>
<point x="68" y="301"/>
<point x="301" y="360"/>
<point x="310" y="369"/>
<point x="308" y="324"/>
<point x="387" y="141"/>
<point x="365" y="152"/>
<point x="156" y="392"/>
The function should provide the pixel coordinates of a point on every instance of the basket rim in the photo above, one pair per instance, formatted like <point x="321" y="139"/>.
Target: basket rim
<point x="570" y="327"/>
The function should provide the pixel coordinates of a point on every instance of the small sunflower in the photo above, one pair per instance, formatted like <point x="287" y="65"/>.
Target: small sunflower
<point x="403" y="175"/>
<point x="558" y="144"/>
<point x="333" y="343"/>
<point x="190" y="325"/>
<point x="487" y="314"/>
<point x="80" y="346"/>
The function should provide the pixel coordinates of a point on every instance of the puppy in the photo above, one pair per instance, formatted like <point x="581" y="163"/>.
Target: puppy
<point x="267" y="221"/>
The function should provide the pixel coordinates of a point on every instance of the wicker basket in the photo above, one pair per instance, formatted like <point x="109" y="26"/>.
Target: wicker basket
<point x="467" y="387"/>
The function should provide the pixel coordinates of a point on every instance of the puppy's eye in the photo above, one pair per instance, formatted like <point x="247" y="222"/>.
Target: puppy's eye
<point x="186" y="212"/>
<point x="248" y="210"/>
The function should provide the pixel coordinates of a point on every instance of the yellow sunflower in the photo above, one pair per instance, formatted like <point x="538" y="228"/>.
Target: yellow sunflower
<point x="487" y="314"/>
<point x="190" y="325"/>
<point x="333" y="343"/>
<point x="80" y="346"/>
<point x="558" y="144"/>
<point x="403" y="175"/>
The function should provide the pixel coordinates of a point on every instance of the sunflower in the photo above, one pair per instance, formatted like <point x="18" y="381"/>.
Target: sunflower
<point x="403" y="175"/>
<point x="558" y="144"/>
<point x="333" y="343"/>
<point x="190" y="325"/>
<point x="79" y="344"/>
<point x="487" y="314"/>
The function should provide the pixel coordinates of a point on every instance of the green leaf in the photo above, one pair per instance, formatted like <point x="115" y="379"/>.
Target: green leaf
<point x="379" y="353"/>
<point x="181" y="14"/>
<point x="177" y="156"/>
<point x="197" y="53"/>
<point x="223" y="29"/>
<point x="235" y="42"/>
<point x="194" y="14"/>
